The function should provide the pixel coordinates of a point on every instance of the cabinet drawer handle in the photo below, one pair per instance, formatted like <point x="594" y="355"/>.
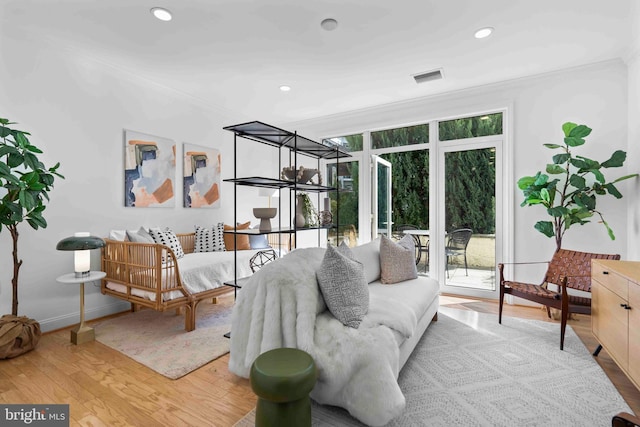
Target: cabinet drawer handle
<point x="605" y="272"/>
<point x="625" y="306"/>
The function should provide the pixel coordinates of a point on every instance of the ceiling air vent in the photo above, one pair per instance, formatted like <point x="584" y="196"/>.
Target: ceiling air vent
<point x="428" y="76"/>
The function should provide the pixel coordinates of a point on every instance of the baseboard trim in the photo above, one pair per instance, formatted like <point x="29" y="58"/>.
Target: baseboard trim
<point x="60" y="322"/>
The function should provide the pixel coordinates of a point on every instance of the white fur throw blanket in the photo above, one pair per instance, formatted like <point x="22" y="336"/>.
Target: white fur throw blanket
<point x="281" y="306"/>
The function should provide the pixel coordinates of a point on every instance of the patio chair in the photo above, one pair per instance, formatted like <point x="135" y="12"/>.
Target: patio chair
<point x="457" y="242"/>
<point x="399" y="234"/>
<point x="567" y="269"/>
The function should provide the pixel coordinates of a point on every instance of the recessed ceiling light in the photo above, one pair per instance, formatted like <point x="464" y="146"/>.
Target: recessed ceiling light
<point x="285" y="88"/>
<point x="329" y="24"/>
<point x="161" y="13"/>
<point x="483" y="32"/>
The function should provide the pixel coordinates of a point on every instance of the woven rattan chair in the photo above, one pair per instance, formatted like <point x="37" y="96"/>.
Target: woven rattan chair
<point x="567" y="270"/>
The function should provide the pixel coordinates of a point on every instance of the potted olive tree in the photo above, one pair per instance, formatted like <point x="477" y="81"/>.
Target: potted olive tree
<point x="25" y="183"/>
<point x="571" y="185"/>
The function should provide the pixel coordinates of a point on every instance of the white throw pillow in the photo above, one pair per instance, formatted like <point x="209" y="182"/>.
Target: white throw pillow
<point x="369" y="256"/>
<point x="343" y="286"/>
<point x="118" y="235"/>
<point x="397" y="260"/>
<point x="210" y="239"/>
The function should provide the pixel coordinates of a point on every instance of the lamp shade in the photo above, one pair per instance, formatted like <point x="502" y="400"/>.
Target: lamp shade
<point x="80" y="243"/>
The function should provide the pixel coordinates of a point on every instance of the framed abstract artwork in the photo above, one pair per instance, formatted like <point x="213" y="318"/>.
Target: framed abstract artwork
<point x="149" y="170"/>
<point x="201" y="177"/>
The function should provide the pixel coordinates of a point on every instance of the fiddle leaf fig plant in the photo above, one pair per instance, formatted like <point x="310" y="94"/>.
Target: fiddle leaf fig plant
<point x="569" y="188"/>
<point x="25" y="183"/>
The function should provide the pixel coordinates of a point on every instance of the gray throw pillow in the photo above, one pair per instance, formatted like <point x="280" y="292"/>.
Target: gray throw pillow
<point x="140" y="236"/>
<point x="343" y="286"/>
<point x="258" y="241"/>
<point x="397" y="260"/>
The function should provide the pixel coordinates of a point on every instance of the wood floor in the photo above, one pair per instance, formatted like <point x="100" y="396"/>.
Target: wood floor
<point x="106" y="388"/>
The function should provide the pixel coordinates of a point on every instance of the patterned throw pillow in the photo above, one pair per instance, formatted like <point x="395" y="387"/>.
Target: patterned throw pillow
<point x="210" y="239"/>
<point x="167" y="238"/>
<point x="397" y="260"/>
<point x="343" y="286"/>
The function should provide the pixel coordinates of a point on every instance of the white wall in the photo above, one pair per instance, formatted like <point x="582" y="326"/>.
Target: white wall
<point x="595" y="95"/>
<point x="76" y="109"/>
<point x="633" y="63"/>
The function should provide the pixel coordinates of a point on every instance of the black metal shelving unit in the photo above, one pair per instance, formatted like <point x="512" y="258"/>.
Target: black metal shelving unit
<point x="296" y="145"/>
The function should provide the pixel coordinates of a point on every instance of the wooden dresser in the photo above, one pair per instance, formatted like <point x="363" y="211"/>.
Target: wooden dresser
<point x="615" y="312"/>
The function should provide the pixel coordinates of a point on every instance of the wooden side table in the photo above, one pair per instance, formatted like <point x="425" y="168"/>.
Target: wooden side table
<point x="82" y="333"/>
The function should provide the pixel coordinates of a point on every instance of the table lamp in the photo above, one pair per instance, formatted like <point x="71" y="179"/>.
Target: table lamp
<point x="81" y="244"/>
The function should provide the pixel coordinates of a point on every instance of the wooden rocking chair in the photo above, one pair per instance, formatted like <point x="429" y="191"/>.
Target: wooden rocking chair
<point x="567" y="269"/>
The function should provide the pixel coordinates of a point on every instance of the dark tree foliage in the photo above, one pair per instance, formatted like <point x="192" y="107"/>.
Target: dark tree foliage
<point x="401" y="136"/>
<point x="410" y="187"/>
<point x="347" y="179"/>
<point x="470" y="127"/>
<point x="470" y="190"/>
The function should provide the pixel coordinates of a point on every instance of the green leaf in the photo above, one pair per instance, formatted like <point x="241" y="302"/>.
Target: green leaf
<point x="561" y="158"/>
<point x="588" y="202"/>
<point x="579" y="163"/>
<point x="526" y="181"/>
<point x="598" y="175"/>
<point x="577" y="181"/>
<point x="33" y="149"/>
<point x="555" y="169"/>
<point x="580" y="131"/>
<point x="617" y="159"/>
<point x="558" y="211"/>
<point x="21" y="139"/>
<point x="622" y="178"/>
<point x="14" y="159"/>
<point x="573" y="141"/>
<point x="7" y="149"/>
<point x="545" y="227"/>
<point x="553" y="146"/>
<point x="541" y="179"/>
<point x="609" y="230"/>
<point x="568" y="127"/>
<point x="613" y="191"/>
<point x="591" y="164"/>
<point x="544" y="193"/>
<point x="4" y="131"/>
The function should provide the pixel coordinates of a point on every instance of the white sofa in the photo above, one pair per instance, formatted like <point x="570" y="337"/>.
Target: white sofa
<point x="282" y="306"/>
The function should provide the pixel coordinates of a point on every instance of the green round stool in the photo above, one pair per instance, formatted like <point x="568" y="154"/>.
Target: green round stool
<point x="282" y="379"/>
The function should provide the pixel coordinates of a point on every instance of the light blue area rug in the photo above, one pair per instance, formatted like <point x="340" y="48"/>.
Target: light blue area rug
<point x="470" y="371"/>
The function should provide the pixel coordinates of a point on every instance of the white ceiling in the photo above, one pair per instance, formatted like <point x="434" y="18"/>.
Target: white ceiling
<point x="234" y="54"/>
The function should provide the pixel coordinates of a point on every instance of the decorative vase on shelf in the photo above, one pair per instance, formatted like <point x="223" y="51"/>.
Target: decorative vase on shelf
<point x="299" y="218"/>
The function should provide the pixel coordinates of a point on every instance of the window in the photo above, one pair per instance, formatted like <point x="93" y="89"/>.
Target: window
<point x="400" y="137"/>
<point x="348" y="143"/>
<point x="470" y="127"/>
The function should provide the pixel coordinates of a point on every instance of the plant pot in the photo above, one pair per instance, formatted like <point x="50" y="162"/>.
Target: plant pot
<point x="18" y="335"/>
